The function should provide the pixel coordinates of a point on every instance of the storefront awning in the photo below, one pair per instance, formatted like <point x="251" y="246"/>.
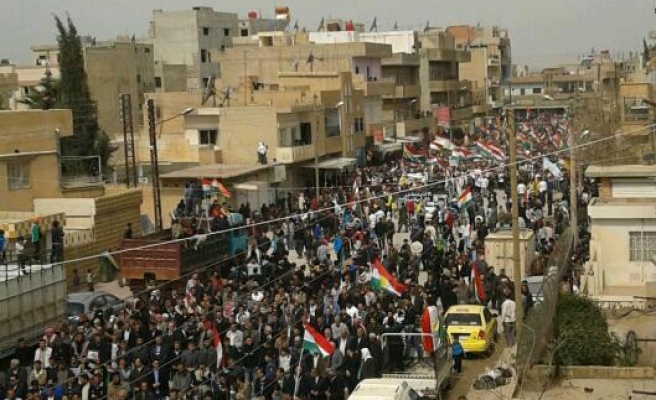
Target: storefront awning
<point x="333" y="163"/>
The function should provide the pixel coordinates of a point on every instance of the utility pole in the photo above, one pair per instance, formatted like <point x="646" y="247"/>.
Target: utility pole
<point x="573" y="190"/>
<point x="125" y="103"/>
<point x="154" y="165"/>
<point x="517" y="269"/>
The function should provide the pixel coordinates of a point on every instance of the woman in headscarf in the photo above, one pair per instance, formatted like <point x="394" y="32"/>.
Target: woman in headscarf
<point x="367" y="365"/>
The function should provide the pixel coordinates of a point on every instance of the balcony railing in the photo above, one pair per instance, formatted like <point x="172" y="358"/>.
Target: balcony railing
<point x="288" y="155"/>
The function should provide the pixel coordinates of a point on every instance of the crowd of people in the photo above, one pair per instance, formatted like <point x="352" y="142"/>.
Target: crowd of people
<point x="236" y="330"/>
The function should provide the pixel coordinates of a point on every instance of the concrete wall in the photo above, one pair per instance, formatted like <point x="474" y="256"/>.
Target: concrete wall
<point x="401" y="41"/>
<point x="266" y="63"/>
<point x="241" y="129"/>
<point x="171" y="143"/>
<point x="112" y="70"/>
<point x="609" y="249"/>
<point x="31" y="131"/>
<point x="173" y="77"/>
<point x="179" y="37"/>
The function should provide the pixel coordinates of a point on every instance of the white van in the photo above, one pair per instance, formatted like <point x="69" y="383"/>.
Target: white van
<point x="390" y="389"/>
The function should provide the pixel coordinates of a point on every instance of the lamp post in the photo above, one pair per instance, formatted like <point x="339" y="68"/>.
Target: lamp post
<point x="154" y="161"/>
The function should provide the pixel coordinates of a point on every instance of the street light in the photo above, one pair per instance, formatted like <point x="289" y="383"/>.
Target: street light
<point x="154" y="162"/>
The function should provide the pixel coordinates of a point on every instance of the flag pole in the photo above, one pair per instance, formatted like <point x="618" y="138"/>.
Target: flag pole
<point x="297" y="380"/>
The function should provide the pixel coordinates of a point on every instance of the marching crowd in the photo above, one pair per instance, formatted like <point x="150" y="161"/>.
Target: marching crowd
<point x="240" y="330"/>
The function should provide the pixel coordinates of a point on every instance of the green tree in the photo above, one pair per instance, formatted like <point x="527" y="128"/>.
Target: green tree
<point x="87" y="139"/>
<point x="582" y="333"/>
<point x="45" y="95"/>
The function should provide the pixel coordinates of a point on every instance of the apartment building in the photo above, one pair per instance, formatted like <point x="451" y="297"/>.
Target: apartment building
<point x="113" y="67"/>
<point x="623" y="233"/>
<point x="490" y="65"/>
<point x="30" y="162"/>
<point x="193" y="38"/>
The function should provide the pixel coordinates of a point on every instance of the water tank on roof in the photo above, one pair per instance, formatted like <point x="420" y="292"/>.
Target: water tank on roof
<point x="252" y="15"/>
<point x="349" y="26"/>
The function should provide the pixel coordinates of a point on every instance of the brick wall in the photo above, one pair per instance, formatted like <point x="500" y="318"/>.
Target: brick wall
<point x="113" y="212"/>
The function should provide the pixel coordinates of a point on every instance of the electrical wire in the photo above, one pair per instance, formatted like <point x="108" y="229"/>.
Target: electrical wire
<point x="253" y="225"/>
<point x="354" y="202"/>
<point x="196" y="271"/>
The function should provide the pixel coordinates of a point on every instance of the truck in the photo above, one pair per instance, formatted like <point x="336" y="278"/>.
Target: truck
<point x="155" y="259"/>
<point x="30" y="303"/>
<point x="427" y="380"/>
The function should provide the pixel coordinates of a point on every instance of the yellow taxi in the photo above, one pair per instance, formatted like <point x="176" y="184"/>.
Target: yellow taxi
<point x="473" y="325"/>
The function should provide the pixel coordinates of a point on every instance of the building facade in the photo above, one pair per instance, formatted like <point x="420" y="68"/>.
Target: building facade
<point x="623" y="232"/>
<point x="490" y="65"/>
<point x="193" y="38"/>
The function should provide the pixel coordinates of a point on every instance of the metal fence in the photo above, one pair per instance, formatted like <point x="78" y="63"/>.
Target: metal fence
<point x="538" y="327"/>
<point x="80" y="171"/>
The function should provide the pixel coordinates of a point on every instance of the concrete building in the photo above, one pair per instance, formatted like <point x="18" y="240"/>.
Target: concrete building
<point x="29" y="158"/>
<point x="442" y="91"/>
<point x="592" y="76"/>
<point x="113" y="67"/>
<point x="170" y="77"/>
<point x="246" y="70"/>
<point x="623" y="233"/>
<point x="8" y="86"/>
<point x="193" y="38"/>
<point x="27" y="77"/>
<point x="490" y="65"/>
<point x="254" y="23"/>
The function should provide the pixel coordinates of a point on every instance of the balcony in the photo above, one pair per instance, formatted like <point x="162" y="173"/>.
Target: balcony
<point x="411" y="127"/>
<point x="443" y="85"/>
<point x="80" y="172"/>
<point x="494" y="61"/>
<point x="401" y="59"/>
<point x="461" y="114"/>
<point x="405" y="92"/>
<point x="290" y="155"/>
<point x="333" y="145"/>
<point x="449" y="55"/>
<point x="381" y="87"/>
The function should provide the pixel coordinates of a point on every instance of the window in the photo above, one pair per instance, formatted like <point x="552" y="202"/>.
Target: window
<point x="244" y="32"/>
<point x="147" y="50"/>
<point x="306" y="134"/>
<point x="333" y="127"/>
<point x="358" y="124"/>
<point x="642" y="246"/>
<point x="226" y="31"/>
<point x="18" y="175"/>
<point x="537" y="90"/>
<point x="158" y="81"/>
<point x="208" y="136"/>
<point x="203" y="55"/>
<point x="206" y="31"/>
<point x="522" y="92"/>
<point x="138" y="78"/>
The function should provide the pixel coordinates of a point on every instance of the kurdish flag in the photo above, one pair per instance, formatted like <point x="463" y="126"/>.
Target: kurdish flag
<point x="465" y="198"/>
<point x="314" y="342"/>
<point x="381" y="279"/>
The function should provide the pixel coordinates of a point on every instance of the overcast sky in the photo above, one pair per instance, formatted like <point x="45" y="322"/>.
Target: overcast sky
<point x="543" y="32"/>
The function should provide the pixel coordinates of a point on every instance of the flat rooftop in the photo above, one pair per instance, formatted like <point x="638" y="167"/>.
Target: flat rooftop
<point x="219" y="171"/>
<point x="621" y="171"/>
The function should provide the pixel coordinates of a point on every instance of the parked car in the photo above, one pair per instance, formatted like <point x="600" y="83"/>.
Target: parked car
<point x="473" y="325"/>
<point x="87" y="303"/>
